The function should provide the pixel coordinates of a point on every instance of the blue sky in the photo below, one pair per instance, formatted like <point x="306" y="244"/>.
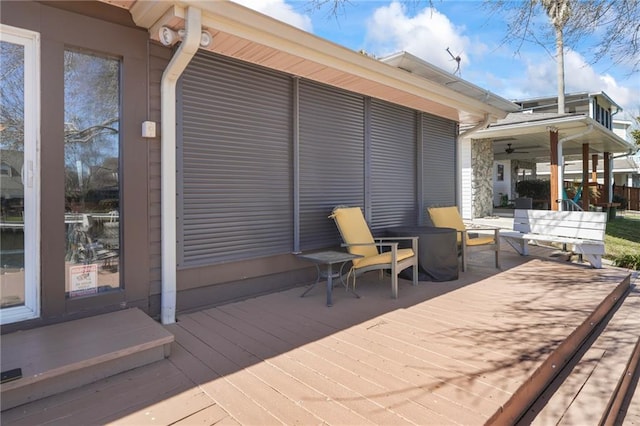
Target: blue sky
<point x="465" y="27"/>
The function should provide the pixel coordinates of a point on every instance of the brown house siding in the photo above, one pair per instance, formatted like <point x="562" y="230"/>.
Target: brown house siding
<point x="144" y="62"/>
<point x="67" y="26"/>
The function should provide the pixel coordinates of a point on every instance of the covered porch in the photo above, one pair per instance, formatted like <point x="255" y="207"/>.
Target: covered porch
<point x="523" y="140"/>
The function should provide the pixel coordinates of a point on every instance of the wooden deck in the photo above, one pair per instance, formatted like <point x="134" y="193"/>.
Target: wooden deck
<point x="443" y="353"/>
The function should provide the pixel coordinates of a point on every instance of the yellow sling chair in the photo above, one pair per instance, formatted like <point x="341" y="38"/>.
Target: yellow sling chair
<point x="358" y="240"/>
<point x="449" y="217"/>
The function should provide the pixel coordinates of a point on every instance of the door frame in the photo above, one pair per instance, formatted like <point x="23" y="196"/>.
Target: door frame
<point x="30" y="174"/>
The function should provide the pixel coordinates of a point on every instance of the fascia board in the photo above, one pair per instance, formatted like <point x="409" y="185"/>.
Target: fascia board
<point x="408" y="61"/>
<point x="530" y="127"/>
<point x="570" y="125"/>
<point x="611" y="136"/>
<point x="607" y="98"/>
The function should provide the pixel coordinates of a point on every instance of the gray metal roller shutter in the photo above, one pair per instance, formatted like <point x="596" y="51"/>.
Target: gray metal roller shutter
<point x="439" y="145"/>
<point x="331" y="160"/>
<point x="393" y="165"/>
<point x="235" y="179"/>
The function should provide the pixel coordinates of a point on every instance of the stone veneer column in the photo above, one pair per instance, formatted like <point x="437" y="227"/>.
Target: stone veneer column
<point x="482" y="178"/>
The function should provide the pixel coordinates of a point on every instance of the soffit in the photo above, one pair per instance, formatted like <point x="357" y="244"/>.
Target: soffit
<point x="247" y="35"/>
<point x="529" y="135"/>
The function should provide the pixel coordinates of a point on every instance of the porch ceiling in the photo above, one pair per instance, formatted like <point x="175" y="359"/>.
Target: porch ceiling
<point x="250" y="36"/>
<point x="530" y="139"/>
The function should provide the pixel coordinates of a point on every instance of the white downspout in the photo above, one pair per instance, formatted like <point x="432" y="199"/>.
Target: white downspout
<point x="170" y="77"/>
<point x="561" y="159"/>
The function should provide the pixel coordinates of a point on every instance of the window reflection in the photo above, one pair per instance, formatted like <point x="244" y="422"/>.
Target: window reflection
<point x="12" y="243"/>
<point x="92" y="184"/>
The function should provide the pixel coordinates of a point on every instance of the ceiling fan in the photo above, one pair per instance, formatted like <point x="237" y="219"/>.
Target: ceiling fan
<point x="510" y="150"/>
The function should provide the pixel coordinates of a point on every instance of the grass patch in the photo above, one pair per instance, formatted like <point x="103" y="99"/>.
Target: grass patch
<point x="622" y="241"/>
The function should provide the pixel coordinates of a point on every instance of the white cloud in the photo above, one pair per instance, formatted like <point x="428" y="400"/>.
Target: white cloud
<point x="580" y="76"/>
<point x="426" y="35"/>
<point x="279" y="10"/>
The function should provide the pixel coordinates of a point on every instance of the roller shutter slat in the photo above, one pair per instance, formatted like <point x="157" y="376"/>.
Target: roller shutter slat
<point x="439" y="139"/>
<point x="235" y="173"/>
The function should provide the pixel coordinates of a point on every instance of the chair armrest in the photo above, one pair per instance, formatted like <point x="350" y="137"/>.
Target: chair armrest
<point x="395" y="238"/>
<point x="414" y="241"/>
<point x="393" y="246"/>
<point x="378" y="244"/>
<point x="496" y="231"/>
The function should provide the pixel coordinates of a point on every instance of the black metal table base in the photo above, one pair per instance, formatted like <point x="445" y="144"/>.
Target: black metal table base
<point x="328" y="259"/>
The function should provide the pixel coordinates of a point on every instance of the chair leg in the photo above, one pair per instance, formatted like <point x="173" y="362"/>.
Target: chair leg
<point x="497" y="239"/>
<point x="394" y="282"/>
<point x="464" y="256"/>
<point x="415" y="273"/>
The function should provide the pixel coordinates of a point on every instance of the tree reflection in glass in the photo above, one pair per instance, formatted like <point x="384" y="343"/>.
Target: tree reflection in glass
<point x="92" y="185"/>
<point x="12" y="243"/>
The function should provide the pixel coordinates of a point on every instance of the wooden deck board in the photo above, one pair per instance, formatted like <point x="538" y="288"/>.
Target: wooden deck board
<point x="357" y="357"/>
<point x="195" y="361"/>
<point x="105" y="400"/>
<point x="443" y="353"/>
<point x="633" y="410"/>
<point x="211" y="415"/>
<point x="246" y="351"/>
<point x="439" y="378"/>
<point x="584" y="401"/>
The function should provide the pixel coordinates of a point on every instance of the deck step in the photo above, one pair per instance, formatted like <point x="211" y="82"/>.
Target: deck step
<point x="594" y="389"/>
<point x="524" y="405"/>
<point x="64" y="356"/>
<point x="627" y="387"/>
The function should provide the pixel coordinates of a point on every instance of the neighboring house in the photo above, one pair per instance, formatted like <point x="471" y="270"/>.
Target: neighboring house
<point x="11" y="187"/>
<point x="625" y="169"/>
<point x="184" y="175"/>
<point x="500" y="154"/>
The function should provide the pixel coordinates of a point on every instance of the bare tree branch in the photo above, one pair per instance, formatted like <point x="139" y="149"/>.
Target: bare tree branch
<point x="613" y="25"/>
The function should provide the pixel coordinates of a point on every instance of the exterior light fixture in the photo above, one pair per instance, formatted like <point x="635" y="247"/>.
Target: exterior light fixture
<point x="169" y="37"/>
<point x="205" y="39"/>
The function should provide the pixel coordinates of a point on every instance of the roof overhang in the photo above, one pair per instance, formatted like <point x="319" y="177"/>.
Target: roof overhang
<point x="577" y="97"/>
<point x="417" y="66"/>
<point x="245" y="34"/>
<point x="532" y="138"/>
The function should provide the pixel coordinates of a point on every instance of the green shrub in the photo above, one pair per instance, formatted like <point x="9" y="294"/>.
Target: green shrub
<point x="631" y="261"/>
<point x="538" y="189"/>
<point x="619" y="199"/>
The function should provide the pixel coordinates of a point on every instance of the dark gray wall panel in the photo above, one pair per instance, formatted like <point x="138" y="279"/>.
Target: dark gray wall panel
<point x="331" y="160"/>
<point x="235" y="181"/>
<point x="393" y="165"/>
<point x="439" y="162"/>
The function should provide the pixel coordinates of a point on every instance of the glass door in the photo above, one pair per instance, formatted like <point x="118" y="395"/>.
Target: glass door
<point x="19" y="175"/>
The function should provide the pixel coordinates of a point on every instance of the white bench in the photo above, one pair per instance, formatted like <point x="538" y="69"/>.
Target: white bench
<point x="584" y="230"/>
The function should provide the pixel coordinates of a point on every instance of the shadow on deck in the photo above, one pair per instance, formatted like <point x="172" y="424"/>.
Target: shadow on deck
<point x="479" y="349"/>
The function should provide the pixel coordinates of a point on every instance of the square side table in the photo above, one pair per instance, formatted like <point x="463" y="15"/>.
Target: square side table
<point x="328" y="258"/>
